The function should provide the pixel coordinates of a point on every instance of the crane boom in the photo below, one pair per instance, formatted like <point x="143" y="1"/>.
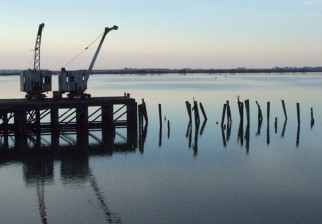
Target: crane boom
<point x="34" y="81"/>
<point x="90" y="68"/>
<point x="75" y="82"/>
<point x="37" y="48"/>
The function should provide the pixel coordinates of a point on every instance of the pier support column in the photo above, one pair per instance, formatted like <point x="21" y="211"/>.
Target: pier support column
<point x="5" y="128"/>
<point x="54" y="119"/>
<point x="20" y="120"/>
<point x="37" y="120"/>
<point x="82" y="118"/>
<point x="108" y="131"/>
<point x="132" y="128"/>
<point x="82" y="126"/>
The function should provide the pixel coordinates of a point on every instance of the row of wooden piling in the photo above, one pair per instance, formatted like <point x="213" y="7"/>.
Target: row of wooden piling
<point x="226" y="122"/>
<point x="196" y="111"/>
<point x="226" y="113"/>
<point x="246" y="105"/>
<point x="226" y="118"/>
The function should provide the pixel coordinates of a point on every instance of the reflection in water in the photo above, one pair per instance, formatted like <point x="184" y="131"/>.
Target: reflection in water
<point x="267" y="134"/>
<point x="168" y="129"/>
<point x="203" y="126"/>
<point x="298" y="135"/>
<point x="259" y="127"/>
<point x="223" y="135"/>
<point x="240" y="136"/>
<point x="247" y="138"/>
<point x="226" y="137"/>
<point x="75" y="169"/>
<point x="38" y="152"/>
<point x="312" y="118"/>
<point x="259" y="120"/>
<point x="160" y="136"/>
<point x="195" y="145"/>
<point x="38" y="170"/>
<point x="228" y="131"/>
<point x="142" y="137"/>
<point x="189" y="134"/>
<point x="284" y="128"/>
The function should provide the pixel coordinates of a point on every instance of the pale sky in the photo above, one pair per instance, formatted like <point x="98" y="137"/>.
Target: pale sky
<point x="163" y="33"/>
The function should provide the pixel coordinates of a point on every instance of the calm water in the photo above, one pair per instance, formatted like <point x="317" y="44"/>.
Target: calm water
<point x="179" y="175"/>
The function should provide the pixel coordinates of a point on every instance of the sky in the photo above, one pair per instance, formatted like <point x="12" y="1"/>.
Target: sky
<point x="163" y="33"/>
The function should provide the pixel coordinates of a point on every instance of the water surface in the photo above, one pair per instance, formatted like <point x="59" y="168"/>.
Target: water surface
<point x="185" y="174"/>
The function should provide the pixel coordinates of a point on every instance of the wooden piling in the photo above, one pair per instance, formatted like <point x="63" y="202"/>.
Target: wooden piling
<point x="160" y="115"/>
<point x="203" y="111"/>
<point x="284" y="109"/>
<point x="268" y="128"/>
<point x="312" y="118"/>
<point x="247" y="110"/>
<point x="188" y="105"/>
<point x="196" y="112"/>
<point x="275" y="125"/>
<point x="240" y="108"/>
<point x="298" y="114"/>
<point x="145" y="113"/>
<point x="268" y="111"/>
<point x="223" y="115"/>
<point x="260" y="115"/>
<point x="229" y="119"/>
<point x="140" y="110"/>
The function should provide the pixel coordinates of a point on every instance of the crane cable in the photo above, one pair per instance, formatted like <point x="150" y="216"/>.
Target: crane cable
<point x="80" y="53"/>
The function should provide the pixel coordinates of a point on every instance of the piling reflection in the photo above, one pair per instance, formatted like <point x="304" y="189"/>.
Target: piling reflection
<point x="142" y="137"/>
<point x="268" y="136"/>
<point x="259" y="119"/>
<point x="240" y="136"/>
<point x="298" y="135"/>
<point x="203" y="126"/>
<point x="196" y="138"/>
<point x="247" y="138"/>
<point x="284" y="128"/>
<point x="189" y="134"/>
<point x="223" y="135"/>
<point x="96" y="141"/>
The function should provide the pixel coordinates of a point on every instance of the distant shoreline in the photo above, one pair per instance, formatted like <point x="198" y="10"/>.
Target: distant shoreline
<point x="190" y="71"/>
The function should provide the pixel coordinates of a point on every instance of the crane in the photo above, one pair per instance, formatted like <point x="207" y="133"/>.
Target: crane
<point x="75" y="82"/>
<point x="35" y="81"/>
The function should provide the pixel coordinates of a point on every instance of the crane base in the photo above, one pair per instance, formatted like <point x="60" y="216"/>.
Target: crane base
<point x="35" y="96"/>
<point x="78" y="96"/>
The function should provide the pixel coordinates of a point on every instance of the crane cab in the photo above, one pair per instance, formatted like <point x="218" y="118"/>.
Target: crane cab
<point x="73" y="82"/>
<point x="35" y="83"/>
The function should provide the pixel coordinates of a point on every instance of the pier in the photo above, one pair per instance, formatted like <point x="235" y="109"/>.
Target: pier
<point x="20" y="118"/>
